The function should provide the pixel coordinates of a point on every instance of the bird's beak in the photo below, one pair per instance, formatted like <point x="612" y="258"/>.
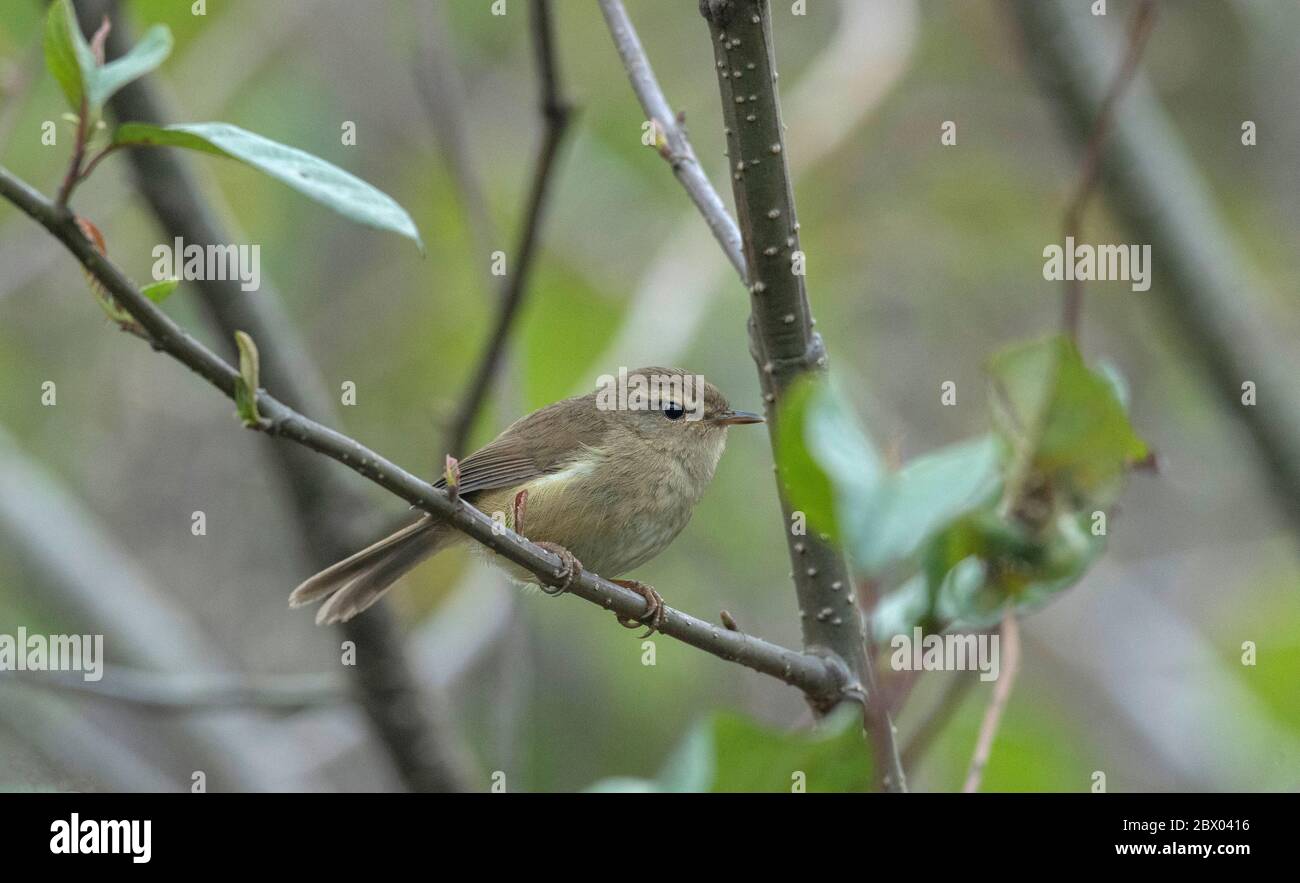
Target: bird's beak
<point x="735" y="418"/>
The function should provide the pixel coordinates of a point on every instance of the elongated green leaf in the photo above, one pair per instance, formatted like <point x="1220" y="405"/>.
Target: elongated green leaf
<point x="67" y="54"/>
<point x="144" y="57"/>
<point x="310" y="175"/>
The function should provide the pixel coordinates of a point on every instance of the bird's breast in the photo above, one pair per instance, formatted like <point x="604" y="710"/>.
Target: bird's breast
<point x="612" y="511"/>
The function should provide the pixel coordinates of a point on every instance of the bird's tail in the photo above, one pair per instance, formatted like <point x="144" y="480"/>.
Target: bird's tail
<point x="358" y="581"/>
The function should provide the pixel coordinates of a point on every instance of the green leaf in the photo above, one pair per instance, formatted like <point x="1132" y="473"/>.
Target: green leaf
<point x="71" y="61"/>
<point x="144" y="57"/>
<point x="976" y="567"/>
<point x="833" y="474"/>
<point x="964" y="595"/>
<point x="731" y="753"/>
<point x="247" y="385"/>
<point x="692" y="766"/>
<point x="1070" y="550"/>
<point x="1110" y="372"/>
<point x="900" y="610"/>
<point x="1015" y="567"/>
<point x="752" y="757"/>
<point x="314" y="177"/>
<point x="1066" y="423"/>
<point x="1071" y="445"/>
<point x="67" y="54"/>
<point x="822" y="454"/>
<point x="160" y="291"/>
<point x="906" y="508"/>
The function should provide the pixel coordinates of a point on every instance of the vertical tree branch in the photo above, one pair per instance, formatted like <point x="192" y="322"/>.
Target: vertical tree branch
<point x="555" y="117"/>
<point x="782" y="339"/>
<point x="1203" y="282"/>
<point x="421" y="745"/>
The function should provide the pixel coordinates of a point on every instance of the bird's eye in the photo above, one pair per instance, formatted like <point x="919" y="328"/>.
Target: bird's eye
<point x="674" y="411"/>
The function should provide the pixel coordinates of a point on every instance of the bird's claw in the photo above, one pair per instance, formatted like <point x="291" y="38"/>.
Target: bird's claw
<point x="654" y="616"/>
<point x="570" y="569"/>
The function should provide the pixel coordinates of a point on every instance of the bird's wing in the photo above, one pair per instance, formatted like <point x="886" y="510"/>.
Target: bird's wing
<point x="539" y="444"/>
<point x="493" y="467"/>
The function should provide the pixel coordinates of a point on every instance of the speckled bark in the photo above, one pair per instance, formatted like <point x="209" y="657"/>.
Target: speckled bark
<point x="782" y="339"/>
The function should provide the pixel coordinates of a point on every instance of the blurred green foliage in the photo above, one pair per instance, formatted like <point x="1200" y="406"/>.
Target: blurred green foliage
<point x="965" y="530"/>
<point x="923" y="260"/>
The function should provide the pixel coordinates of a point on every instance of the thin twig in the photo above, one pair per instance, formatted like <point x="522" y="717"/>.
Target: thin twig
<point x="96" y="160"/>
<point x="675" y="148"/>
<point x="822" y="676"/>
<point x="1144" y="16"/>
<point x="73" y="174"/>
<point x="1010" y="633"/>
<point x="556" y="112"/>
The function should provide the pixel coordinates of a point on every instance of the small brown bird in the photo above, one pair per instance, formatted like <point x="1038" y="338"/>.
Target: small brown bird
<point x="606" y="480"/>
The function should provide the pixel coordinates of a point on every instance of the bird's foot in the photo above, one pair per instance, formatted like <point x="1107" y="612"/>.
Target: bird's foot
<point x="570" y="569"/>
<point x="654" y="616"/>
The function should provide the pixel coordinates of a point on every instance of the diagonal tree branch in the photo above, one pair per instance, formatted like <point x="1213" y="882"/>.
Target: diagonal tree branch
<point x="1010" y="632"/>
<point x="782" y="340"/>
<point x="555" y="116"/>
<point x="421" y="744"/>
<point x="675" y="147"/>
<point x="1144" y="17"/>
<point x="819" y="672"/>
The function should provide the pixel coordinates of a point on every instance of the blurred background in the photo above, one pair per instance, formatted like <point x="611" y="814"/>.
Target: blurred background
<point x="923" y="260"/>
